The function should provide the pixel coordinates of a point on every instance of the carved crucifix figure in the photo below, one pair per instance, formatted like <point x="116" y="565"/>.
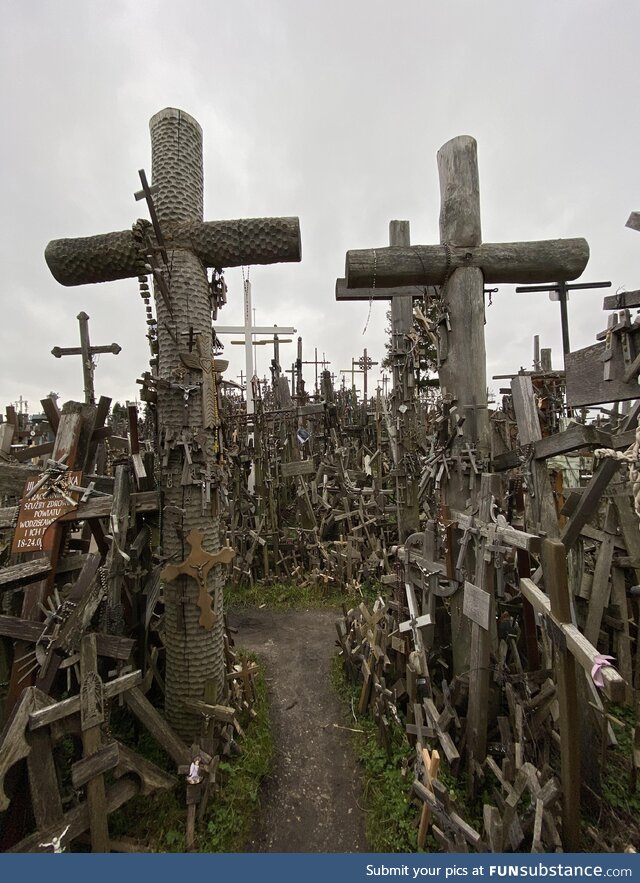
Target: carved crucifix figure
<point x="87" y="352"/>
<point x="197" y="566"/>
<point x="195" y="656"/>
<point x="461" y="264"/>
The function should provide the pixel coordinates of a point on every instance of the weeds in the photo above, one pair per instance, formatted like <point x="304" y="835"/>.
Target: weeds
<point x="160" y="822"/>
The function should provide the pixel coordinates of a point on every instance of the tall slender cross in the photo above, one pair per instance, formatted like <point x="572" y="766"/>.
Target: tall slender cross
<point x="195" y="655"/>
<point x="462" y="264"/>
<point x="87" y="352"/>
<point x="249" y="329"/>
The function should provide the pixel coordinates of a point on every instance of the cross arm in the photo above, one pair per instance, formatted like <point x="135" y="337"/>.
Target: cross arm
<point x="112" y="256"/>
<point x="583" y="651"/>
<point x="377" y="293"/>
<point x="505" y="262"/>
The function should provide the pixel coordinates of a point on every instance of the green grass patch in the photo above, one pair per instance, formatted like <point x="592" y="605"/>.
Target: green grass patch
<point x="390" y="812"/>
<point x="290" y="596"/>
<point x="160" y="821"/>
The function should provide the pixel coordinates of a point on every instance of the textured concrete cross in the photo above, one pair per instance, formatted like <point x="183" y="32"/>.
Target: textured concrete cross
<point x="195" y="656"/>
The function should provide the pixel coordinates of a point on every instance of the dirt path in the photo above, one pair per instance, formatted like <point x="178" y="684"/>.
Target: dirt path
<point x="310" y="802"/>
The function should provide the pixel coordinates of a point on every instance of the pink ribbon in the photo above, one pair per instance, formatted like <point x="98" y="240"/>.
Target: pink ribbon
<point x="600" y="662"/>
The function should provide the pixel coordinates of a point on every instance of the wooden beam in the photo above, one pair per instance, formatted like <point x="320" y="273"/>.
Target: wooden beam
<point x="92" y="742"/>
<point x="157" y="726"/>
<point x="66" y="707"/>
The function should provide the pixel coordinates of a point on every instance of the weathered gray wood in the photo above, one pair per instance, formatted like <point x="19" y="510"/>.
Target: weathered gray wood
<point x="233" y="243"/>
<point x="589" y="501"/>
<point x="13" y="743"/>
<point x="92" y="743"/>
<point x="599" y="599"/>
<point x="622" y="300"/>
<point x="585" y="377"/>
<point x="66" y="707"/>
<point x="43" y="781"/>
<point x="100" y="507"/>
<point x="529" y="430"/>
<point x="95" y="764"/>
<point x="480" y="655"/>
<point x="297" y="467"/>
<point x="152" y="778"/>
<point x="13" y="478"/>
<point x="377" y="293"/>
<point x="583" y="652"/>
<point x="459" y="192"/>
<point x="506" y="262"/>
<point x="477" y="605"/>
<point x="554" y="567"/>
<point x="77" y="819"/>
<point x="23" y="574"/>
<point x="153" y="721"/>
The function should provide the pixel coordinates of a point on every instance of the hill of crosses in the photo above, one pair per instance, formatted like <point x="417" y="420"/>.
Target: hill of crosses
<point x="482" y="553"/>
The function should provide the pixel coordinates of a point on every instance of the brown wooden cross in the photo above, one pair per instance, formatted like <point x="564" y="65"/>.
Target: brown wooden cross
<point x="87" y="352"/>
<point x="197" y="566"/>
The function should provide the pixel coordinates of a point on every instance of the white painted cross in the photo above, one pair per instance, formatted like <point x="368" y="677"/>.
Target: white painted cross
<point x="249" y="330"/>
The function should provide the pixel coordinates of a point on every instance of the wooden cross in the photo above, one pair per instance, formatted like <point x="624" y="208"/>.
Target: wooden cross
<point x="560" y="291"/>
<point x="197" y="566"/>
<point x="202" y="361"/>
<point x="317" y="362"/>
<point x="462" y="264"/>
<point x="195" y="655"/>
<point x="571" y="647"/>
<point x="87" y="352"/>
<point x="403" y="385"/>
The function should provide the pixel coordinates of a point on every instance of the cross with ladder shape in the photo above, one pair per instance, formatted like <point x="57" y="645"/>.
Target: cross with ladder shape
<point x="462" y="264"/>
<point x="87" y="352"/>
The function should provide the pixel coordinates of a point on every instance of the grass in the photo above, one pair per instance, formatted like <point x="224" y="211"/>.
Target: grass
<point x="160" y="822"/>
<point x="290" y="596"/>
<point x="390" y="812"/>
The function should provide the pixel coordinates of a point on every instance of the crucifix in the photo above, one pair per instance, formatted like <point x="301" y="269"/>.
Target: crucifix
<point x="249" y="329"/>
<point x="87" y="352"/>
<point x="195" y="656"/>
<point x="560" y="291"/>
<point x="461" y="264"/>
<point x="22" y="404"/>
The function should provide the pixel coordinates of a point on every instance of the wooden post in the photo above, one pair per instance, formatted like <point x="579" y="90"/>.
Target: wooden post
<point x="195" y="654"/>
<point x="554" y="568"/>
<point x="92" y="717"/>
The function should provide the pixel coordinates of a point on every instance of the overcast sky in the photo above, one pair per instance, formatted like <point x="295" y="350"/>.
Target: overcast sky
<point x="332" y="111"/>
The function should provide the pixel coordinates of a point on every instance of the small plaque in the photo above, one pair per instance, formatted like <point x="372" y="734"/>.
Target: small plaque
<point x="476" y="605"/>
<point x="37" y="513"/>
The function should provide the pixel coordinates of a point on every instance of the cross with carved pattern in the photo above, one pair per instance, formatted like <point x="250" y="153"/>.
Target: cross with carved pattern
<point x="197" y="565"/>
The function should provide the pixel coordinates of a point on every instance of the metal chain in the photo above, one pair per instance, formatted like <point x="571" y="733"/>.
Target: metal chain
<point x="373" y="288"/>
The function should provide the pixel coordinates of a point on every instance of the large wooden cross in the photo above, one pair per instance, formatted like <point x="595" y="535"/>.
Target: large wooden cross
<point x="87" y="352"/>
<point x="195" y="656"/>
<point x="462" y="264"/>
<point x="403" y="380"/>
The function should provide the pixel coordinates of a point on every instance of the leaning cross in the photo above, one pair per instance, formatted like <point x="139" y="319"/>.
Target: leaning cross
<point x="87" y="352"/>
<point x="197" y="566"/>
<point x="403" y="379"/>
<point x="249" y="330"/>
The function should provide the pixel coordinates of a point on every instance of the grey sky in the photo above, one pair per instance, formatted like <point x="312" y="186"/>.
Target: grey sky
<point x="333" y="111"/>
